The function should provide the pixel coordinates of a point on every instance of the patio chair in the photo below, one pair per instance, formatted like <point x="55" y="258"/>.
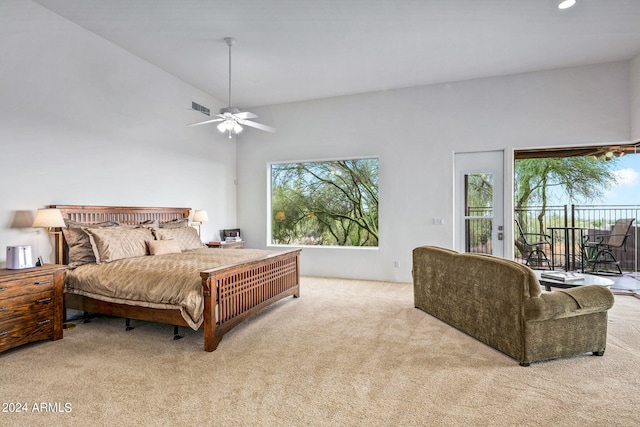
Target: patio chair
<point x="597" y="248"/>
<point x="532" y="250"/>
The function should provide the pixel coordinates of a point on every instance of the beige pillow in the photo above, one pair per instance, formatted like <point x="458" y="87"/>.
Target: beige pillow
<point x="152" y="223"/>
<point x="161" y="247"/>
<point x="80" y="250"/>
<point x="114" y="243"/>
<point x="176" y="223"/>
<point x="187" y="237"/>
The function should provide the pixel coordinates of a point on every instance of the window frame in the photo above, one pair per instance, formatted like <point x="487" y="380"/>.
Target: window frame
<point x="269" y="234"/>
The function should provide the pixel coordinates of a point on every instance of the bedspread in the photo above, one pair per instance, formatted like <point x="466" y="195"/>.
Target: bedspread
<point x="170" y="281"/>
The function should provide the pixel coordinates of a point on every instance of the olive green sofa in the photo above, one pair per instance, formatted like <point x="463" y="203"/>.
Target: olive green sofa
<point x="501" y="303"/>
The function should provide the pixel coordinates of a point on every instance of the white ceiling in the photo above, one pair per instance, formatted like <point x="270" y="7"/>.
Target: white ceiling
<point x="293" y="50"/>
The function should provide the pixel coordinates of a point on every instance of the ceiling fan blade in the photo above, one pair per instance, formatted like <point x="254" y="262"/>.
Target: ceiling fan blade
<point x="205" y="122"/>
<point x="245" y="115"/>
<point x="257" y="125"/>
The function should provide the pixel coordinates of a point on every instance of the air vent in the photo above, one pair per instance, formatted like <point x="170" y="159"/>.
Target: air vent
<point x="202" y="109"/>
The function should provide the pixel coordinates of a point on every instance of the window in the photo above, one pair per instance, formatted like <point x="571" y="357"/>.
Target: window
<point x="325" y="203"/>
<point x="478" y="212"/>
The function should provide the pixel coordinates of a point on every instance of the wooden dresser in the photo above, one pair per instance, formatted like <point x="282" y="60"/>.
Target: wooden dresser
<point x="31" y="305"/>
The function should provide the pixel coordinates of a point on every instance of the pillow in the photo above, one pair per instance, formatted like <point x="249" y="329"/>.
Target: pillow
<point x="187" y="237"/>
<point x="161" y="247"/>
<point x="176" y="223"/>
<point x="114" y="243"/>
<point x="80" y="250"/>
<point x="151" y="223"/>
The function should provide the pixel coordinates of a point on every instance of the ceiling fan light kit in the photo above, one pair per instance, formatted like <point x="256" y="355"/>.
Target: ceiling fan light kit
<point x="230" y="126"/>
<point x="231" y="118"/>
<point x="610" y="153"/>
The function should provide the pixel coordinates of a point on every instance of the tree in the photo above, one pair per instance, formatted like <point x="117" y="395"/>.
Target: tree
<point x="479" y="203"/>
<point x="325" y="203"/>
<point x="578" y="177"/>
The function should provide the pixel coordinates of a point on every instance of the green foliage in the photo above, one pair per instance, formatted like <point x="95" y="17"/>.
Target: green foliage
<point x="479" y="203"/>
<point x="579" y="178"/>
<point x="479" y="194"/>
<point x="325" y="203"/>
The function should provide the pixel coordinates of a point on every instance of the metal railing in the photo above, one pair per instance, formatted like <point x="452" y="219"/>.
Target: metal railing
<point x="478" y="229"/>
<point x="585" y="219"/>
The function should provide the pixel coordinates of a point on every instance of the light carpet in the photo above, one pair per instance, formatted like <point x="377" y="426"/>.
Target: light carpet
<point x="346" y="353"/>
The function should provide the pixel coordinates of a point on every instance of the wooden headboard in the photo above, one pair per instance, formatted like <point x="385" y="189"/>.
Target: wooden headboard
<point x="123" y="214"/>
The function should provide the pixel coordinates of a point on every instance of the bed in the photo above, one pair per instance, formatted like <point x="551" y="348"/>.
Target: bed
<point x="230" y="293"/>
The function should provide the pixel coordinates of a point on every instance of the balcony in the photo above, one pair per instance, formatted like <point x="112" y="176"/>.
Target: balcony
<point x="591" y="219"/>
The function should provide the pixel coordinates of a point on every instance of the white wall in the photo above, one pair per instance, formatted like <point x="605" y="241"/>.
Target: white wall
<point x="415" y="133"/>
<point x="85" y="122"/>
<point x="634" y="70"/>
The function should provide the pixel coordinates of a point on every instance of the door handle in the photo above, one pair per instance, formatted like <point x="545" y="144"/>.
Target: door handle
<point x="500" y="236"/>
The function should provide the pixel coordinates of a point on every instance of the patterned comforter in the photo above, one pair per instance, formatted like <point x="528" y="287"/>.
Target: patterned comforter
<point x="170" y="281"/>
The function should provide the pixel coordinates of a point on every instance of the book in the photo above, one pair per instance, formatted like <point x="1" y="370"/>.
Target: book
<point x="562" y="276"/>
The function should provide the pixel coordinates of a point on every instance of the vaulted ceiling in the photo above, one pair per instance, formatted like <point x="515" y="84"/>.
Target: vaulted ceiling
<point x="294" y="50"/>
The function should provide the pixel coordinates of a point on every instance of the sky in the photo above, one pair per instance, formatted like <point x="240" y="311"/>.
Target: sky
<point x="627" y="189"/>
<point x="625" y="192"/>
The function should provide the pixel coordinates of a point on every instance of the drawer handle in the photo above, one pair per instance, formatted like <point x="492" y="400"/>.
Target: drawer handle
<point x="43" y="282"/>
<point x="43" y="300"/>
<point x="44" y="322"/>
<point x="3" y="289"/>
<point x="4" y="309"/>
<point x="3" y="333"/>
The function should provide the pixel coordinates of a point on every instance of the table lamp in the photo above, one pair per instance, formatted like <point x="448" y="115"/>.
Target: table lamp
<point x="200" y="217"/>
<point x="50" y="219"/>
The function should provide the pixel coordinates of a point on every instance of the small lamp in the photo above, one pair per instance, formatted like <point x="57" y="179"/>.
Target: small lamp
<point x="200" y="217"/>
<point x="50" y="219"/>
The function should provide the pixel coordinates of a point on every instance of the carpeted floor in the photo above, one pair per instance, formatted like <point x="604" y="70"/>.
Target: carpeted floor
<point x="346" y="353"/>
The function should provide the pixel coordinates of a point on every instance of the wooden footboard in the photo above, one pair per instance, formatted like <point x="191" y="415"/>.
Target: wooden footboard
<point x="234" y="293"/>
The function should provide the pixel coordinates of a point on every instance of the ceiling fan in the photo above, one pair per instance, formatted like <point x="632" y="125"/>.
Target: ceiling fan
<point x="231" y="119"/>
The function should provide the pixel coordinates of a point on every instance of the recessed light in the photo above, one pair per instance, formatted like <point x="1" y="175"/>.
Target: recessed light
<point x="566" y="4"/>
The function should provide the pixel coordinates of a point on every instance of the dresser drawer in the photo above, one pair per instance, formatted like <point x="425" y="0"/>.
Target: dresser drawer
<point x="17" y="331"/>
<point x="31" y="305"/>
<point x="26" y="306"/>
<point x="29" y="285"/>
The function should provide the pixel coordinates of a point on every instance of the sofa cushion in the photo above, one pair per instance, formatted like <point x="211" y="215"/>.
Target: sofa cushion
<point x="568" y="303"/>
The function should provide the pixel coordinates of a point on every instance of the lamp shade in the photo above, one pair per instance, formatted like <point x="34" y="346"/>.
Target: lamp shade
<point x="48" y="218"/>
<point x="200" y="216"/>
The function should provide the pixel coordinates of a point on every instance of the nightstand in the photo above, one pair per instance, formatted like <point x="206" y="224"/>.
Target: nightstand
<point x="31" y="305"/>
<point x="227" y="245"/>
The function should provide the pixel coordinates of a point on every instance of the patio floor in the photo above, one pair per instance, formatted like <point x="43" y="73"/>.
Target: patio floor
<point x="627" y="283"/>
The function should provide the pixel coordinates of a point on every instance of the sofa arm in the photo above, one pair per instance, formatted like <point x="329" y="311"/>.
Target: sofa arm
<point x="568" y="303"/>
